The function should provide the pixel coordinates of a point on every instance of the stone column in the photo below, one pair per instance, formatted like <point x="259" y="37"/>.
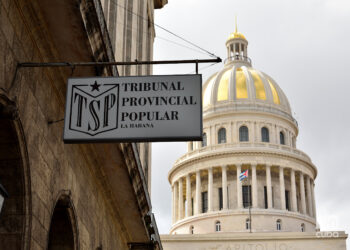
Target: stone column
<point x="224" y="187"/>
<point x="176" y="201"/>
<point x="273" y="138"/>
<point x="268" y="186"/>
<point x="198" y="192"/>
<point x="294" y="190"/>
<point x="210" y="189"/>
<point x="172" y="203"/>
<point x="254" y="187"/>
<point x="181" y="200"/>
<point x="313" y="199"/>
<point x="189" y="146"/>
<point x="213" y="135"/>
<point x="229" y="133"/>
<point x="302" y="193"/>
<point x="235" y="137"/>
<point x="282" y="189"/>
<point x="239" y="188"/>
<point x="253" y="132"/>
<point x="188" y="195"/>
<point x="308" y="193"/>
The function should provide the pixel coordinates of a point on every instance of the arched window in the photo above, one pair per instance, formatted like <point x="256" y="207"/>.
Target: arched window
<point x="265" y="135"/>
<point x="247" y="224"/>
<point x="217" y="226"/>
<point x="302" y="227"/>
<point x="204" y="141"/>
<point x="191" y="229"/>
<point x="243" y="134"/>
<point x="282" y="138"/>
<point x="278" y="225"/>
<point x="222" y="135"/>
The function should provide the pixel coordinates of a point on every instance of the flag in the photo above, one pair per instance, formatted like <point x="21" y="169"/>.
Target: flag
<point x="243" y="175"/>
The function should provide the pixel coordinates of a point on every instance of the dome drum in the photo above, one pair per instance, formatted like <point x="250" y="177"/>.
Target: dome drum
<point x="273" y="192"/>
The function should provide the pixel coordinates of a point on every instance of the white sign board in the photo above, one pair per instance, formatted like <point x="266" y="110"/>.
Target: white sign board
<point x="135" y="108"/>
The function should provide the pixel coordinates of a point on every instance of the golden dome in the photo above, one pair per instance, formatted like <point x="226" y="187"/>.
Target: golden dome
<point x="236" y="35"/>
<point x="237" y="85"/>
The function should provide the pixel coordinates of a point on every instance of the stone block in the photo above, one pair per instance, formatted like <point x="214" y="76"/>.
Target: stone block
<point x="10" y="241"/>
<point x="38" y="232"/>
<point x="35" y="246"/>
<point x="6" y="26"/>
<point x="40" y="211"/>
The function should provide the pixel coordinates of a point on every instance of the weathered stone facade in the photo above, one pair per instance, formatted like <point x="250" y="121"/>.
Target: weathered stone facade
<point x="78" y="196"/>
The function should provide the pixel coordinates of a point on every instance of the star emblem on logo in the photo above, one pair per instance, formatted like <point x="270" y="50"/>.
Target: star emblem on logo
<point x="95" y="86"/>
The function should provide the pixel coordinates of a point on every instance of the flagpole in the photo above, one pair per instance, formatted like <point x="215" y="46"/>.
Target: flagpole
<point x="249" y="206"/>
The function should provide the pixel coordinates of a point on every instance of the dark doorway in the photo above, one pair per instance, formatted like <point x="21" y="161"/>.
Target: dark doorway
<point x="14" y="216"/>
<point x="61" y="235"/>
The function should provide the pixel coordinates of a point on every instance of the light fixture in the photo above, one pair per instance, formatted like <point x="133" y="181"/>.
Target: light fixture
<point x="3" y="196"/>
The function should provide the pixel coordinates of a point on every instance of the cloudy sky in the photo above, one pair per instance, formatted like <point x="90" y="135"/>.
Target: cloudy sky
<point x="304" y="46"/>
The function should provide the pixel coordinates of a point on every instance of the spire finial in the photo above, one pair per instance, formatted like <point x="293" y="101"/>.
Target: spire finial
<point x="236" y="23"/>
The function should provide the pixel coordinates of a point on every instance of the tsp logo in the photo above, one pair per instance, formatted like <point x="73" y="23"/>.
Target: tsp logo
<point x="94" y="108"/>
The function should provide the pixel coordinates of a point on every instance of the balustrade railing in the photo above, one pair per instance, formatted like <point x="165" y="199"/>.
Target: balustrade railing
<point x="238" y="58"/>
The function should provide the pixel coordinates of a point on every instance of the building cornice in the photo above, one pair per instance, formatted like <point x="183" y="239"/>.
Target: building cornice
<point x="243" y="212"/>
<point x="249" y="236"/>
<point x="208" y="153"/>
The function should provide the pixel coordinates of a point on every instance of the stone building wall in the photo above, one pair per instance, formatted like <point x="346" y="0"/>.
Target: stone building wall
<point x="131" y="29"/>
<point x="62" y="196"/>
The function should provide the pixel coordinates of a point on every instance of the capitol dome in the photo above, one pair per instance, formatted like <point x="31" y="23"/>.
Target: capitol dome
<point x="243" y="85"/>
<point x="239" y="86"/>
<point x="248" y="128"/>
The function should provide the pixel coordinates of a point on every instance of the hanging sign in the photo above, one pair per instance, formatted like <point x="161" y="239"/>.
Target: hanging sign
<point x="135" y="108"/>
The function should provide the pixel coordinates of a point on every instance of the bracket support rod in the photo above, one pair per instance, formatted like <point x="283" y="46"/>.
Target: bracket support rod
<point x="85" y="64"/>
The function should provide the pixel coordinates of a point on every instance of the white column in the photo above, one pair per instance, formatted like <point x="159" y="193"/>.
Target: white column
<point x="181" y="200"/>
<point x="282" y="189"/>
<point x="239" y="188"/>
<point x="302" y="193"/>
<point x="268" y="186"/>
<point x="213" y="136"/>
<point x="229" y="133"/>
<point x="273" y="135"/>
<point x="189" y="146"/>
<point x="224" y="187"/>
<point x="313" y="199"/>
<point x="253" y="132"/>
<point x="254" y="187"/>
<point x="210" y="189"/>
<point x="198" y="192"/>
<point x="309" y="199"/>
<point x="172" y="204"/>
<point x="235" y="132"/>
<point x="176" y="201"/>
<point x="294" y="190"/>
<point x="188" y="195"/>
